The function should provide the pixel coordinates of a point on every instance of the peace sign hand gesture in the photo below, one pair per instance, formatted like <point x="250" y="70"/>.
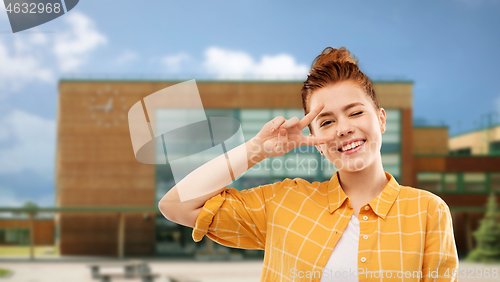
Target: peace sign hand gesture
<point x="279" y="136"/>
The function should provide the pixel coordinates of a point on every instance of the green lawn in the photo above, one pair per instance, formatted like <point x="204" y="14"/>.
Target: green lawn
<point x="40" y="251"/>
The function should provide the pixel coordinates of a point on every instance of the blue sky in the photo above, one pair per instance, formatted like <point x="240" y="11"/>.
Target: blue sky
<point x="449" y="49"/>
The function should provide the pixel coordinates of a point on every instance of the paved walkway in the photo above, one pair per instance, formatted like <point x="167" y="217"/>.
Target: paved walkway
<point x="76" y="270"/>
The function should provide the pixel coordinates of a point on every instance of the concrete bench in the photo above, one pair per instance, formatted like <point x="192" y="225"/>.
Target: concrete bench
<point x="130" y="267"/>
<point x="145" y="277"/>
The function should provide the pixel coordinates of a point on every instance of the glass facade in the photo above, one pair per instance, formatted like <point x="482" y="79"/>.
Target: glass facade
<point x="461" y="152"/>
<point x="18" y="236"/>
<point x="495" y="148"/>
<point x="304" y="162"/>
<point x="429" y="181"/>
<point x="459" y="182"/>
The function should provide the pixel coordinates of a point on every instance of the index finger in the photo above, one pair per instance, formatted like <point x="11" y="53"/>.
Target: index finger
<point x="310" y="116"/>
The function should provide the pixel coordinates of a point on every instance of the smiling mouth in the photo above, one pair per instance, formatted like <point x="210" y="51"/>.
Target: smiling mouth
<point x="351" y="146"/>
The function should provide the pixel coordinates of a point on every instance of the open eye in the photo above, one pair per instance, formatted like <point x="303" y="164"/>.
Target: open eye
<point x="326" y="123"/>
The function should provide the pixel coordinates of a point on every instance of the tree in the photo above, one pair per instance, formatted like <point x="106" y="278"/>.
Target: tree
<point x="487" y="235"/>
<point x="29" y="205"/>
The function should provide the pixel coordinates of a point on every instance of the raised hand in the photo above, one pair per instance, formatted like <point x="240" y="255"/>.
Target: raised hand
<point x="279" y="136"/>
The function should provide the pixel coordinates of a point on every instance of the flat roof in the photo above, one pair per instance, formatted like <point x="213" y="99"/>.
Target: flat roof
<point x="431" y="126"/>
<point x="475" y="130"/>
<point x="209" y="80"/>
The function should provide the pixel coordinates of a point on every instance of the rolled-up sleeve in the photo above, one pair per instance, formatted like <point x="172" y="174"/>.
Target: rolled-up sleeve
<point x="440" y="254"/>
<point x="237" y="218"/>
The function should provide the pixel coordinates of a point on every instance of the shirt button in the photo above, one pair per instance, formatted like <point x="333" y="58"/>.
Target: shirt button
<point x="365" y="217"/>
<point x="367" y="208"/>
<point x="365" y="236"/>
<point x="363" y="259"/>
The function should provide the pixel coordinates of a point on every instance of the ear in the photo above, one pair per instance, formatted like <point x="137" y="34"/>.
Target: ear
<point x="382" y="120"/>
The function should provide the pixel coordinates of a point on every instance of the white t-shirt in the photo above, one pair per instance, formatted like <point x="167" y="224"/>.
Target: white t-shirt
<point x="343" y="263"/>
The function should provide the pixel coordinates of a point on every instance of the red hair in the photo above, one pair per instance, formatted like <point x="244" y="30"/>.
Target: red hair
<point x="333" y="66"/>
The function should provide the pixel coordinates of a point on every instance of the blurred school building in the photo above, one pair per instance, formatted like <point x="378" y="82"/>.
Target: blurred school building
<point x="96" y="167"/>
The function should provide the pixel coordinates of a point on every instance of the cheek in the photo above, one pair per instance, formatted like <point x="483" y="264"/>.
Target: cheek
<point x="373" y="128"/>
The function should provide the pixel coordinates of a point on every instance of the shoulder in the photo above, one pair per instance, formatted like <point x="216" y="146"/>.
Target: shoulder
<point x="427" y="199"/>
<point x="297" y="182"/>
<point x="302" y="184"/>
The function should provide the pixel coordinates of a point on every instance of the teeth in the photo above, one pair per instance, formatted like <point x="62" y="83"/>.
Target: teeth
<point x="352" y="146"/>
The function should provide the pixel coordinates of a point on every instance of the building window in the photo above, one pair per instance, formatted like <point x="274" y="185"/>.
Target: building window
<point x="495" y="148"/>
<point x="15" y="236"/>
<point x="459" y="183"/>
<point x="461" y="152"/>
<point x="450" y="182"/>
<point x="391" y="143"/>
<point x="304" y="161"/>
<point x="474" y="182"/>
<point x="430" y="181"/>
<point x="301" y="162"/>
<point x="495" y="182"/>
<point x="392" y="163"/>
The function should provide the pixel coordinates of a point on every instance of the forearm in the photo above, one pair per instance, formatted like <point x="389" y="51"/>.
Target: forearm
<point x="210" y="179"/>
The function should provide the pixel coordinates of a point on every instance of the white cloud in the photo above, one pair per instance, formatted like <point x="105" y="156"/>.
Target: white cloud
<point x="30" y="58"/>
<point x="33" y="147"/>
<point x="127" y="57"/>
<point x="72" y="47"/>
<point x="225" y="64"/>
<point x="222" y="63"/>
<point x="280" y="65"/>
<point x="174" y="62"/>
<point x="39" y="39"/>
<point x="18" y="65"/>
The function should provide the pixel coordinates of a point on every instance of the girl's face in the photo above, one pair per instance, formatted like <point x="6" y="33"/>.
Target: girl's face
<point x="350" y="118"/>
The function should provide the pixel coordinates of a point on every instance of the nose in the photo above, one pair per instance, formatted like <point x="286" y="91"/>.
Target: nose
<point x="344" y="128"/>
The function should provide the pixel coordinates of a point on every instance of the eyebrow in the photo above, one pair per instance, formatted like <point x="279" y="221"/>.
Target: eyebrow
<point x="345" y="108"/>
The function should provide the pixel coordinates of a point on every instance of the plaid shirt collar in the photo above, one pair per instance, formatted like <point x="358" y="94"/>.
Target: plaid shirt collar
<point x="380" y="205"/>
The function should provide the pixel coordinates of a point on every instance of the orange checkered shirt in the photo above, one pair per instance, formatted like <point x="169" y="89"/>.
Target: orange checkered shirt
<point x="406" y="234"/>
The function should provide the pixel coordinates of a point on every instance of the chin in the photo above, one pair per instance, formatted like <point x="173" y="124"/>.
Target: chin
<point x="351" y="165"/>
<point x="355" y="165"/>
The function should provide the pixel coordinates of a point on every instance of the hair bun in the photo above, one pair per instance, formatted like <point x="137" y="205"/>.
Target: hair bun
<point x="341" y="55"/>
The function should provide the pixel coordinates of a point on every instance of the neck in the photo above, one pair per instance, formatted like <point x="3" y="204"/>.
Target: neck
<point x="366" y="184"/>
